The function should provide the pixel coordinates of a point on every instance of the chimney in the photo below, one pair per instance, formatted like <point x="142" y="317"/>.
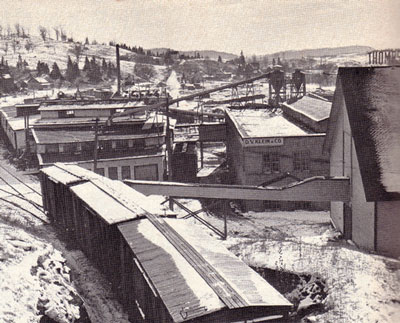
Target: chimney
<point x="118" y="70"/>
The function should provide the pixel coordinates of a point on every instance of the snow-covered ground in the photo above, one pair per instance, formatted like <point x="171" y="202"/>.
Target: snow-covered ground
<point x="40" y="274"/>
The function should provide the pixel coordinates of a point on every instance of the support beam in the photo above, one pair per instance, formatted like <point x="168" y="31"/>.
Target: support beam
<point x="314" y="189"/>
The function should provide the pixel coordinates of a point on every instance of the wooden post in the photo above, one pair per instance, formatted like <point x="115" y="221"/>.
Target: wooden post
<point x="96" y="130"/>
<point x="169" y="148"/>
<point x="225" y="223"/>
<point x="201" y="155"/>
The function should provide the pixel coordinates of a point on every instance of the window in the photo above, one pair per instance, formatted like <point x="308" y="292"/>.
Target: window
<point x="272" y="205"/>
<point x="301" y="160"/>
<point x="99" y="171"/>
<point x="52" y="148"/>
<point x="302" y="205"/>
<point x="122" y="144"/>
<point x="66" y="114"/>
<point x="126" y="172"/>
<point x="146" y="172"/>
<point x="271" y="163"/>
<point x="113" y="172"/>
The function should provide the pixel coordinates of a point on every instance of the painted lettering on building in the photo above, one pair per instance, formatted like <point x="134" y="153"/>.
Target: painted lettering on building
<point x="248" y="142"/>
<point x="384" y="57"/>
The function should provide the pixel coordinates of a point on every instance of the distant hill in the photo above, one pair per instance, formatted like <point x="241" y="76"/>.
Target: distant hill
<point x="320" y="52"/>
<point x="212" y="54"/>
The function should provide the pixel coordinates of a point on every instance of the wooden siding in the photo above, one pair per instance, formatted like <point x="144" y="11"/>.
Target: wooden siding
<point x="143" y="274"/>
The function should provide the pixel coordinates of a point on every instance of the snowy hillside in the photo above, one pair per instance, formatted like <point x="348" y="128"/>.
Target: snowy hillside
<point x="51" y="51"/>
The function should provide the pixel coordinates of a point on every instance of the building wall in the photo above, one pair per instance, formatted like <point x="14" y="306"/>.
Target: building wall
<point x="359" y="223"/>
<point x="337" y="166"/>
<point x="362" y="212"/>
<point x="15" y="137"/>
<point x="388" y="224"/>
<point x="78" y="113"/>
<point x="132" y="163"/>
<point x="246" y="163"/>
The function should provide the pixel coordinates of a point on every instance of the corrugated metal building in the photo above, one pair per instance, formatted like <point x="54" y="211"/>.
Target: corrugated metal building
<point x="162" y="269"/>
<point x="363" y="140"/>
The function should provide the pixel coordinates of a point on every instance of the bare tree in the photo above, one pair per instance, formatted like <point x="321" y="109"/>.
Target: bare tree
<point x="63" y="34"/>
<point x="29" y="45"/>
<point x="6" y="47"/>
<point x="8" y="31"/>
<point x="43" y="32"/>
<point x="1" y="32"/>
<point x="15" y="45"/>
<point x="17" y="27"/>
<point x="24" y="34"/>
<point x="57" y="31"/>
<point x="77" y="51"/>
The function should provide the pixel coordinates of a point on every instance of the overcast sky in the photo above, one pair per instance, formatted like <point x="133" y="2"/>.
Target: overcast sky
<point x="254" y="26"/>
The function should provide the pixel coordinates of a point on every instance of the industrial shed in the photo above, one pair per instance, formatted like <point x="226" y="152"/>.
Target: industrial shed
<point x="364" y="145"/>
<point x="266" y="149"/>
<point x="310" y="111"/>
<point x="162" y="269"/>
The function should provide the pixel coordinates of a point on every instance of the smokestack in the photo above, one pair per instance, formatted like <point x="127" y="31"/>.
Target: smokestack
<point x="118" y="70"/>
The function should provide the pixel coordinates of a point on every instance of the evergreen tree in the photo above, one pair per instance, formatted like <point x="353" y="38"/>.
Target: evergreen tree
<point x="76" y="70"/>
<point x="55" y="73"/>
<point x="86" y="41"/>
<point x="39" y="67"/>
<point x="45" y="69"/>
<point x="94" y="72"/>
<point x="104" y="66"/>
<point x="242" y="60"/>
<point x="86" y="67"/>
<point x="69" y="74"/>
<point x="219" y="59"/>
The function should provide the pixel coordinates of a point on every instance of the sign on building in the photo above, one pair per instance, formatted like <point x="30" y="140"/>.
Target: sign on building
<point x="253" y="142"/>
<point x="384" y="57"/>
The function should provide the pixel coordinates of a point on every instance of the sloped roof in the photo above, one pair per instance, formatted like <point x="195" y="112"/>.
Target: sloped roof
<point x="372" y="100"/>
<point x="311" y="107"/>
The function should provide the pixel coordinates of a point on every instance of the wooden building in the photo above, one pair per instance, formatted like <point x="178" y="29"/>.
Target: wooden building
<point x="309" y="111"/>
<point x="39" y="83"/>
<point x="6" y="83"/>
<point x="129" y="147"/>
<point x="363" y="140"/>
<point x="162" y="269"/>
<point x="15" y="120"/>
<point x="266" y="149"/>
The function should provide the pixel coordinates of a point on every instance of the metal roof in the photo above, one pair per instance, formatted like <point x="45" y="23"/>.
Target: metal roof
<point x="55" y="136"/>
<point x="371" y="99"/>
<point x="313" y="108"/>
<point x="192" y="273"/>
<point x="125" y="105"/>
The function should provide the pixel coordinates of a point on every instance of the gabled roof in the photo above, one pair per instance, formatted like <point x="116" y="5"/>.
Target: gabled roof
<point x="372" y="100"/>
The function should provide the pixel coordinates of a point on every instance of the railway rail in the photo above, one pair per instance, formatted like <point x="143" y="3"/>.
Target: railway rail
<point x="24" y="195"/>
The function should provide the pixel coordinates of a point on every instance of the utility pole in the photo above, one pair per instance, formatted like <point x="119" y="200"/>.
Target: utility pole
<point x="96" y="140"/>
<point x="169" y="148"/>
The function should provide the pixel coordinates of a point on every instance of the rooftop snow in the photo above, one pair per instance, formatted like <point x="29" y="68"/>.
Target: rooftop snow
<point x="372" y="98"/>
<point x="55" y="136"/>
<point x="253" y="124"/>
<point x="313" y="108"/>
<point x="125" y="105"/>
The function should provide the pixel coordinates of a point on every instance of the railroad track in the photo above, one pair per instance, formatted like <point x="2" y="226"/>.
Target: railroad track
<point x="21" y="195"/>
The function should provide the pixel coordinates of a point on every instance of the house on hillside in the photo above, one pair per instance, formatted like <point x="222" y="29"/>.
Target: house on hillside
<point x="363" y="140"/>
<point x="6" y="83"/>
<point x="39" y="83"/>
